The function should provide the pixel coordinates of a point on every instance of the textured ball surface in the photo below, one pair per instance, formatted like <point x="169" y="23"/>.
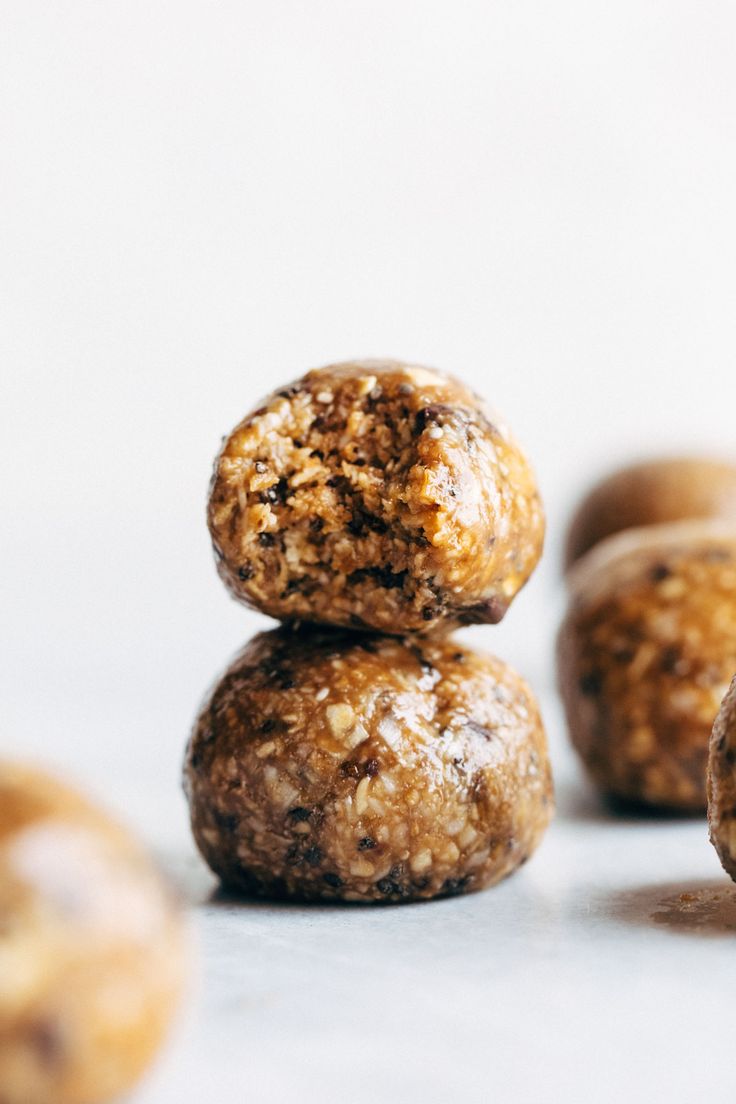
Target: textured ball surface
<point x="722" y="783"/>
<point x="91" y="948"/>
<point x="645" y="654"/>
<point x="347" y="766"/>
<point x="375" y="495"/>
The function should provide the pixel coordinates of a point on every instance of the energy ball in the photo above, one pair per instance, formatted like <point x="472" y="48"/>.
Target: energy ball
<point x="646" y="652"/>
<point x="722" y="783"/>
<point x="377" y="495"/>
<point x="334" y="765"/>
<point x="652" y="493"/>
<point x="91" y="948"/>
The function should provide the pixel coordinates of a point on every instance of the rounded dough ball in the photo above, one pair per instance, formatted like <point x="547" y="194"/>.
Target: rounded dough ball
<point x="722" y="783"/>
<point x="91" y="948"/>
<point x="645" y="654"/>
<point x="338" y="765"/>
<point x="375" y="495"/>
<point x="652" y="493"/>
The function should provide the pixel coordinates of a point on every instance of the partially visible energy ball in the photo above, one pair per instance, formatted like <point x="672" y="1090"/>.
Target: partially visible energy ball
<point x="654" y="492"/>
<point x="91" y="948"/>
<point x="377" y="495"/>
<point x="330" y="765"/>
<point x="645" y="654"/>
<point x="722" y="783"/>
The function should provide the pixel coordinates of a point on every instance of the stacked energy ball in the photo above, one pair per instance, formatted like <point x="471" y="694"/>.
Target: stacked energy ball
<point x="358" y="752"/>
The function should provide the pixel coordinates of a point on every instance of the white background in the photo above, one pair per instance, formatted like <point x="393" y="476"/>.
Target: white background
<point x="198" y="201"/>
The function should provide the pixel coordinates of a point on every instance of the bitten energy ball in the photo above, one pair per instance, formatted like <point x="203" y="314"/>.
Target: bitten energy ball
<point x="722" y="783"/>
<point x="652" y="493"/>
<point x="91" y="948"/>
<point x="646" y="652"/>
<point x="375" y="495"/>
<point x="338" y="765"/>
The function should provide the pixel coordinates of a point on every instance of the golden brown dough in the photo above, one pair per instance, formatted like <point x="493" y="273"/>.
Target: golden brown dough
<point x="645" y="654"/>
<point x="91" y="948"/>
<point x="336" y="765"/>
<point x="378" y="495"/>
<point x="722" y="783"/>
<point x="652" y="493"/>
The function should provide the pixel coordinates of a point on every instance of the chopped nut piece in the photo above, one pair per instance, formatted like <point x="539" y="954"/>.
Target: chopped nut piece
<point x="340" y="718"/>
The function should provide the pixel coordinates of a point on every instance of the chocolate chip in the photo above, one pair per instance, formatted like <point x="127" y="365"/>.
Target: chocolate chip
<point x="313" y="856"/>
<point x="384" y="576"/>
<point x="426" y="667"/>
<point x="391" y="580"/>
<point x="268" y="725"/>
<point x="434" y="414"/>
<point x="354" y="768"/>
<point x="276" y="493"/>
<point x="246" y="571"/>
<point x="428" y="614"/>
<point x="388" y="887"/>
<point x="317" y="524"/>
<point x="659" y="572"/>
<point x="367" y="843"/>
<point x="299" y="813"/>
<point x="671" y="659"/>
<point x="333" y="880"/>
<point x="455" y="885"/>
<point x="266" y="540"/>
<point x="489" y="612"/>
<point x="227" y="821"/>
<point x="362" y="521"/>
<point x="591" y="684"/>
<point x="46" y="1040"/>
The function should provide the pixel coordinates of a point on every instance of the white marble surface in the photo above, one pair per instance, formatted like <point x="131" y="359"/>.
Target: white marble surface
<point x="200" y="201"/>
<point x="602" y="971"/>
